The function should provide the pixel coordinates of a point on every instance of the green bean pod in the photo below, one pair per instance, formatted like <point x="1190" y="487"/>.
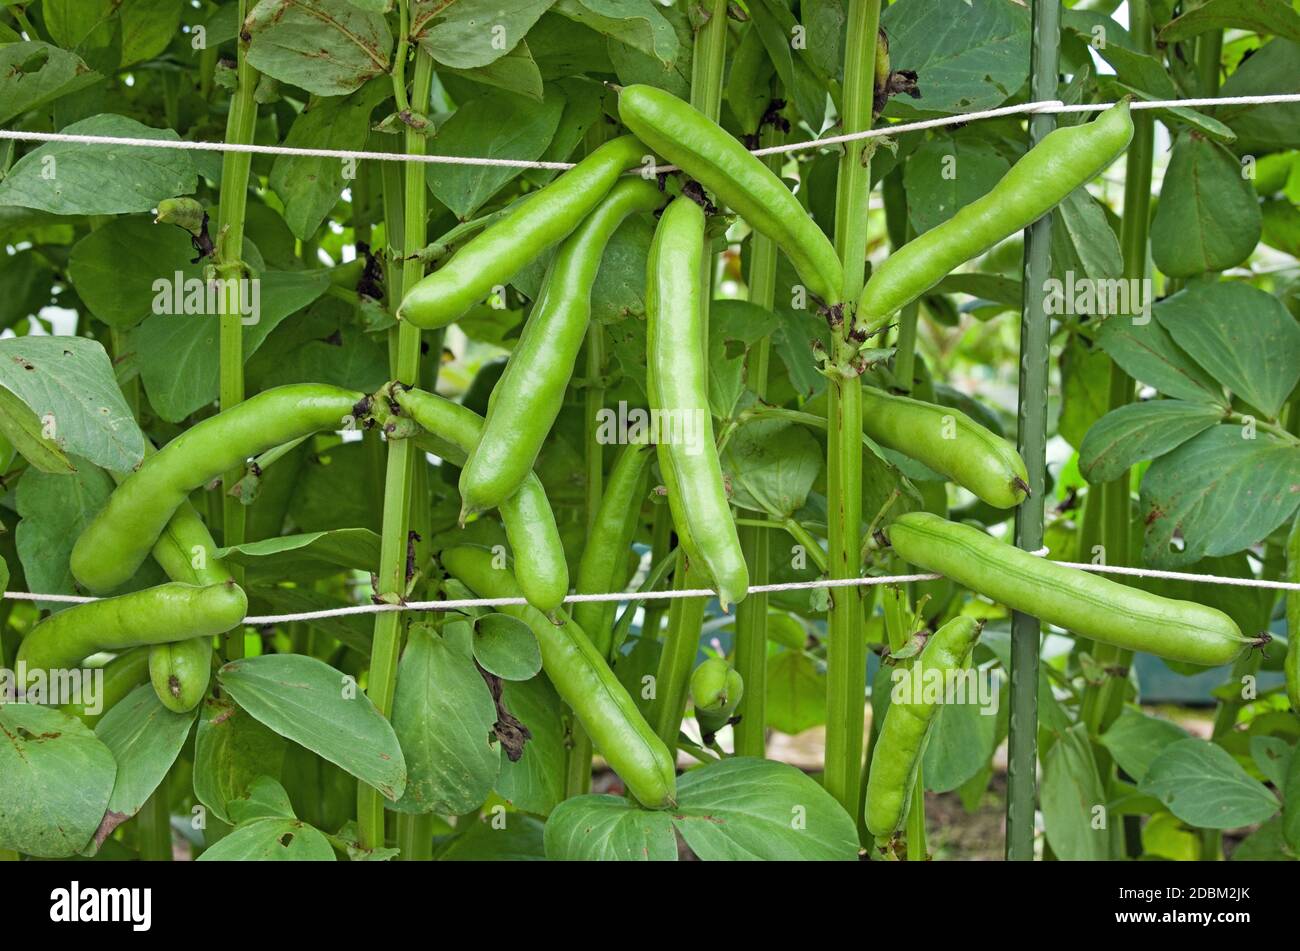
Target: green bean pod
<point x="717" y="160"/>
<point x="603" y="565"/>
<point x="501" y="251"/>
<point x="898" y="751"/>
<point x="1046" y="174"/>
<point x="1291" y="665"/>
<point x="1088" y="605"/>
<point x="122" y="674"/>
<point x="947" y="441"/>
<point x="716" y="691"/>
<point x="527" y="516"/>
<point x="159" y="615"/>
<point x="530" y="393"/>
<point x="180" y="672"/>
<point x="119" y="538"/>
<point x="584" y="681"/>
<point x="676" y="360"/>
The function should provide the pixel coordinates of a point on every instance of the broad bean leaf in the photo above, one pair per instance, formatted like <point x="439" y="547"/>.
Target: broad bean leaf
<point x="327" y="47"/>
<point x="1136" y="738"/>
<point x="145" y="738"/>
<point x="1073" y="799"/>
<point x="1270" y="17"/>
<point x="443" y="715"/>
<point x="472" y="33"/>
<point x="978" y="66"/>
<point x="506" y="646"/>
<point x="1146" y="352"/>
<point x="35" y="73"/>
<point x="68" y="387"/>
<point x="1203" y="785"/>
<point x="56" y="778"/>
<point x="641" y="26"/>
<point x="535" y="783"/>
<point x="73" y="178"/>
<point x="231" y="750"/>
<point x="1208" y="218"/>
<point x="1241" y="335"/>
<point x="308" y="701"/>
<point x="772" y="465"/>
<point x="504" y="837"/>
<point x="946" y="174"/>
<point x="1220" y="491"/>
<point x="796" y="693"/>
<point x="272" y="840"/>
<point x="1126" y="436"/>
<point x="1263" y="128"/>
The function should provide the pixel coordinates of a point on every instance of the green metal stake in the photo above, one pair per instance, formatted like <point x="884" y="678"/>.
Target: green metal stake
<point x="1035" y="332"/>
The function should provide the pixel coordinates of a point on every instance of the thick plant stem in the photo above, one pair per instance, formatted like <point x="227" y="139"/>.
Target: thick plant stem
<point x="846" y="671"/>
<point x="235" y="167"/>
<point x="1035" y="332"/>
<point x="391" y="580"/>
<point x="154" y="826"/>
<point x="686" y="616"/>
<point x="751" y="614"/>
<point x="681" y="646"/>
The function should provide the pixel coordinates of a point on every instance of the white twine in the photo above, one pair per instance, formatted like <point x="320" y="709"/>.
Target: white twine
<point x="1045" y="106"/>
<point x="456" y="604"/>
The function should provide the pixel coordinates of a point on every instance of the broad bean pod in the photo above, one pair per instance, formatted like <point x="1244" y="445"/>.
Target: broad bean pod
<point x="120" y="537"/>
<point x="500" y="251"/>
<point x="1056" y="166"/>
<point x="584" y="681"/>
<point x="528" y="397"/>
<point x="1085" y="604"/>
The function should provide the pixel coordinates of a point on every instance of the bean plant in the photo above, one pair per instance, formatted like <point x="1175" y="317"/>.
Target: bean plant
<point x="506" y="419"/>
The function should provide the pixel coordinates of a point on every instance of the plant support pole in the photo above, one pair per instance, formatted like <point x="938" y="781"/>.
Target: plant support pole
<point x="1031" y="441"/>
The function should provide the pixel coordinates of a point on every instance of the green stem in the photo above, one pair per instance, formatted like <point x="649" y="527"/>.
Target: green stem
<point x="751" y="614"/>
<point x="154" y="826"/>
<point x="235" y="167"/>
<point x="681" y="646"/>
<point x="846" y="670"/>
<point x="1209" y="52"/>
<point x="391" y="580"/>
<point x="1035" y="354"/>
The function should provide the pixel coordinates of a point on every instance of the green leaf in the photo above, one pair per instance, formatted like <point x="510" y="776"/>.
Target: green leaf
<point x="1265" y="844"/>
<point x="1269" y="71"/>
<point x="1126" y="436"/>
<point x="145" y="738"/>
<point x="311" y="703"/>
<point x="55" y="781"/>
<point x="1164" y="836"/>
<point x="516" y="72"/>
<point x="231" y="750"/>
<point x="608" y="829"/>
<point x="1271" y="756"/>
<point x="1084" y="246"/>
<point x="1203" y="785"/>
<point x="1221" y="492"/>
<point x="272" y="840"/>
<point x="1241" y="335"/>
<point x="1291" y="805"/>
<point x="1073" y="800"/>
<point x="1135" y="739"/>
<point x="115" y="268"/>
<point x="327" y="47"/>
<point x="796" y="693"/>
<point x="638" y="25"/>
<point x="1270" y="17"/>
<point x="746" y="808"/>
<point x="264" y="799"/>
<point x="946" y="174"/>
<point x="1085" y="389"/>
<point x="773" y="465"/>
<point x="506" y="646"/>
<point x="1208" y="218"/>
<point x="443" y="716"/>
<point x="308" y="186"/>
<point x="67" y="384"/>
<point x="536" y="782"/>
<point x="517" y="839"/>
<point x="148" y="28"/>
<point x="34" y="73"/>
<point x="961" y="742"/>
<point x="27" y="280"/>
<point x="472" y="33"/>
<point x="495" y="125"/>
<point x="73" y="178"/>
<point x="978" y="66"/>
<point x="353" y="548"/>
<point x="1146" y="352"/>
